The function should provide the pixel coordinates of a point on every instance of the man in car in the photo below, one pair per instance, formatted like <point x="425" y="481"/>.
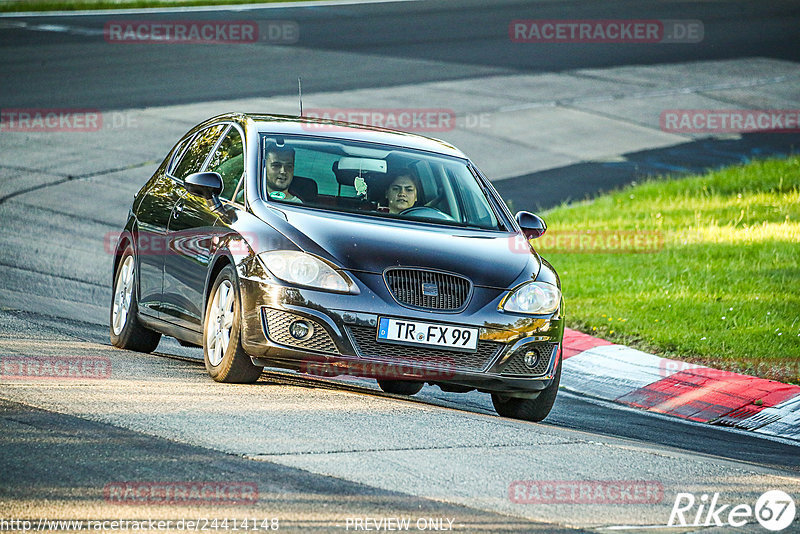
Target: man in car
<point x="280" y="172"/>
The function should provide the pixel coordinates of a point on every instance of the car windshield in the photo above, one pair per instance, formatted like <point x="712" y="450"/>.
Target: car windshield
<point x="375" y="180"/>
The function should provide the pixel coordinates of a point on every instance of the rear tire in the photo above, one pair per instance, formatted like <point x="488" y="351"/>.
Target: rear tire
<point x="226" y="360"/>
<point x="125" y="329"/>
<point x="401" y="387"/>
<point x="529" y="409"/>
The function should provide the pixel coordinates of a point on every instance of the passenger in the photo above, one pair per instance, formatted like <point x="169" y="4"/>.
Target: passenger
<point x="403" y="191"/>
<point x="280" y="172"/>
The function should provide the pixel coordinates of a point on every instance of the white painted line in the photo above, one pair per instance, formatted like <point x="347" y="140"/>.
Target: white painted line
<point x="757" y="82"/>
<point x="612" y="371"/>
<point x="197" y="9"/>
<point x="781" y="419"/>
<point x="50" y="28"/>
<point x="770" y="415"/>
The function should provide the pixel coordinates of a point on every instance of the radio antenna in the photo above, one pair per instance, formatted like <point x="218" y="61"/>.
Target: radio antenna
<point x="300" y="93"/>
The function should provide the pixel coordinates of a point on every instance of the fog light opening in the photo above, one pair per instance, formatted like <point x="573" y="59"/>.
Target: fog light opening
<point x="301" y="330"/>
<point x="531" y="358"/>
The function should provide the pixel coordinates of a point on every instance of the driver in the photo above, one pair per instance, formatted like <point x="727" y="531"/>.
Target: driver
<point x="403" y="190"/>
<point x="280" y="172"/>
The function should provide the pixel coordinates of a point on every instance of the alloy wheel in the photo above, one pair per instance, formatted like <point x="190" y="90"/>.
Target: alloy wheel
<point x="220" y="323"/>
<point x="122" y="296"/>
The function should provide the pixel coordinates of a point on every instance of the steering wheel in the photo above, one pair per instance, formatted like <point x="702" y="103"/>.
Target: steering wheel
<point x="427" y="212"/>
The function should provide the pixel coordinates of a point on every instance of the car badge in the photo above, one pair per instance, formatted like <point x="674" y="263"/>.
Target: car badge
<point x="430" y="290"/>
<point x="277" y="195"/>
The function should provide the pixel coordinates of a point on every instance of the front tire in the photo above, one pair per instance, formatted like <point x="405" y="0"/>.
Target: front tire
<point x="529" y="409"/>
<point x="226" y="360"/>
<point x="125" y="329"/>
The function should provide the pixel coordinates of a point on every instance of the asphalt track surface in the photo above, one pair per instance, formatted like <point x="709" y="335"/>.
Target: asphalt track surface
<point x="357" y="46"/>
<point x="52" y="455"/>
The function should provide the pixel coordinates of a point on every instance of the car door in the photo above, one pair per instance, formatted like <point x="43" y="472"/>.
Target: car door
<point x="191" y="233"/>
<point x="153" y="214"/>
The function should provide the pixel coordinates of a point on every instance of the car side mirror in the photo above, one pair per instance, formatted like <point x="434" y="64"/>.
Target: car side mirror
<point x="207" y="185"/>
<point x="532" y="225"/>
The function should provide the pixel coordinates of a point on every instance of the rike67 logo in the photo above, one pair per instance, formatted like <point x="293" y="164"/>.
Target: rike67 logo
<point x="774" y="510"/>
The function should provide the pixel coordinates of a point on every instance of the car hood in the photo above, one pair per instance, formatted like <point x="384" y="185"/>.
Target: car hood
<point x="367" y="244"/>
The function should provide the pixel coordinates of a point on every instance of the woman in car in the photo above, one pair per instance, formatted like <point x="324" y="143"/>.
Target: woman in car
<point x="403" y="191"/>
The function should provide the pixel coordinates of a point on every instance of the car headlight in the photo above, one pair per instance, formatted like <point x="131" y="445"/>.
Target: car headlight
<point x="303" y="269"/>
<point x="532" y="297"/>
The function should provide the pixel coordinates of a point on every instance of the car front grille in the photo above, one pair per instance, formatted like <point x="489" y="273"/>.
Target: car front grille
<point x="516" y="363"/>
<point x="428" y="290"/>
<point x="277" y="328"/>
<point x="368" y="347"/>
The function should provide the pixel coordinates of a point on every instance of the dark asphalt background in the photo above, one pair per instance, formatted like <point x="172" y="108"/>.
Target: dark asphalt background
<point x="397" y="43"/>
<point x="60" y="457"/>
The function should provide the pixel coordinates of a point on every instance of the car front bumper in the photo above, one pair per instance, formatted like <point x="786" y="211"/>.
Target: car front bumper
<point x="345" y="331"/>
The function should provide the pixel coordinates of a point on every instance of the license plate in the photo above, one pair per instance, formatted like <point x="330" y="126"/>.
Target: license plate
<point x="430" y="334"/>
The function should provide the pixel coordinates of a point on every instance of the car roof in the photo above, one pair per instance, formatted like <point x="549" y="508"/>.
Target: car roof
<point x="294" y="125"/>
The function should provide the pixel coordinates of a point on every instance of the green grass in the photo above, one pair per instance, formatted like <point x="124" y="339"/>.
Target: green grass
<point x="74" y="5"/>
<point x="723" y="290"/>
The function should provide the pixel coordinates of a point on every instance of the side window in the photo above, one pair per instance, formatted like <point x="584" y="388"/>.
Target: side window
<point x="195" y="155"/>
<point x="228" y="161"/>
<point x="176" y="156"/>
<point x="318" y="166"/>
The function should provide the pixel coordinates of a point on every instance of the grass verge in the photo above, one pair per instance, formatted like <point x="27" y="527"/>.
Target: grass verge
<point x="68" y="5"/>
<point x="716" y="280"/>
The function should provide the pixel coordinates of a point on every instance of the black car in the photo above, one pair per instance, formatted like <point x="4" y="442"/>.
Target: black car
<point x="339" y="249"/>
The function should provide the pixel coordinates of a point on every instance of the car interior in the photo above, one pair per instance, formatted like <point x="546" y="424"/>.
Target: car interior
<point x="355" y="179"/>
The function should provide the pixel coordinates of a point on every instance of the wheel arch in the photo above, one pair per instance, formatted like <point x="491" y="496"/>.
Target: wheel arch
<point x="124" y="241"/>
<point x="223" y="259"/>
